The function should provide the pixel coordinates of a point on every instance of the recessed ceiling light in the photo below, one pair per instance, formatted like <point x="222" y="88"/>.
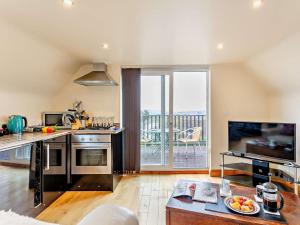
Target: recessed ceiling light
<point x="257" y="3"/>
<point x="68" y="3"/>
<point x="105" y="46"/>
<point x="220" y="46"/>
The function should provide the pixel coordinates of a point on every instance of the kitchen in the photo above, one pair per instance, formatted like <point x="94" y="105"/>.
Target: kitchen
<point x="68" y="144"/>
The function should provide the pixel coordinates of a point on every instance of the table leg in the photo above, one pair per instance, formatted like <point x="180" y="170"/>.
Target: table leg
<point x="168" y="222"/>
<point x="222" y="169"/>
<point x="296" y="181"/>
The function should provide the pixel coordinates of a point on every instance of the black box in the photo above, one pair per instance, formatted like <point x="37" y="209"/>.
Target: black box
<point x="259" y="179"/>
<point x="260" y="167"/>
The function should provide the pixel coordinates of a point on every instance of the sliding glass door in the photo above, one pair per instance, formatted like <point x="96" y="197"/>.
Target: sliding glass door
<point x="190" y="120"/>
<point x="154" y="120"/>
<point x="173" y="120"/>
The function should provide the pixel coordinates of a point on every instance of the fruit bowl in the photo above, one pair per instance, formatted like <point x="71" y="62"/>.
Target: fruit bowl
<point x="242" y="205"/>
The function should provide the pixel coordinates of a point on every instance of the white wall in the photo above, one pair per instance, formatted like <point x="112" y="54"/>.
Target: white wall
<point x="98" y="100"/>
<point x="31" y="72"/>
<point x="235" y="95"/>
<point x="285" y="107"/>
<point x="30" y="105"/>
<point x="279" y="67"/>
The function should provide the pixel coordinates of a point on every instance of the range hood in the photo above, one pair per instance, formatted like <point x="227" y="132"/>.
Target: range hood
<point x="97" y="77"/>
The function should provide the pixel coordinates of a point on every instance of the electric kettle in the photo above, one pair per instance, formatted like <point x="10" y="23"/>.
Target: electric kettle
<point x="16" y="124"/>
<point x="270" y="197"/>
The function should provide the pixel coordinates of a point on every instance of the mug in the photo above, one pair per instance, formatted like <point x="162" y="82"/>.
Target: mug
<point x="259" y="191"/>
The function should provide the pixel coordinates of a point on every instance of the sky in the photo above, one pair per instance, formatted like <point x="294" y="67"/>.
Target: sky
<point x="189" y="92"/>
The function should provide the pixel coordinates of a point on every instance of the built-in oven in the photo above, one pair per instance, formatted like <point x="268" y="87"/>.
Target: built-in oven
<point x="55" y="156"/>
<point x="54" y="175"/>
<point x="91" y="154"/>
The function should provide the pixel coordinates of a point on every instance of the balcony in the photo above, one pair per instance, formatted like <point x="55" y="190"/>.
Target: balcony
<point x="191" y="153"/>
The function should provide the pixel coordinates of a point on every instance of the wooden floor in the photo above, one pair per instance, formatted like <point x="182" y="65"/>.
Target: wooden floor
<point x="145" y="195"/>
<point x="15" y="194"/>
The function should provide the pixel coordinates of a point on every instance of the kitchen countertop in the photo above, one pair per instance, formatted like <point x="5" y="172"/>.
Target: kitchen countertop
<point x="87" y="131"/>
<point x="11" y="141"/>
<point x="8" y="142"/>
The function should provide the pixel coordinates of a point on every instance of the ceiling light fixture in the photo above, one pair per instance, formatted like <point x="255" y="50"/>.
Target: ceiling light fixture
<point x="68" y="3"/>
<point x="220" y="46"/>
<point x="257" y="3"/>
<point x="105" y="46"/>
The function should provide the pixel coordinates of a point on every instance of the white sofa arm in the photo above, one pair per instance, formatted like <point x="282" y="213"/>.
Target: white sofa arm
<point x="9" y="217"/>
<point x="110" y="215"/>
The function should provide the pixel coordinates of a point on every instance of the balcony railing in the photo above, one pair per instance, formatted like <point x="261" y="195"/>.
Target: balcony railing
<point x="180" y="123"/>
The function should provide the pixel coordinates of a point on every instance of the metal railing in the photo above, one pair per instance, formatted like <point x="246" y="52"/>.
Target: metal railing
<point x="180" y="123"/>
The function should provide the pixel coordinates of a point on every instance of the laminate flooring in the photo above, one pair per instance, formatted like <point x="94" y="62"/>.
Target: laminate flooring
<point x="146" y="195"/>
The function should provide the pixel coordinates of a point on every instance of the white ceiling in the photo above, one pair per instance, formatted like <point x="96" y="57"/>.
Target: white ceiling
<point x="157" y="31"/>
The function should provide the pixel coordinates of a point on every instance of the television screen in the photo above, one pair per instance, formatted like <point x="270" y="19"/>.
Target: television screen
<point x="276" y="140"/>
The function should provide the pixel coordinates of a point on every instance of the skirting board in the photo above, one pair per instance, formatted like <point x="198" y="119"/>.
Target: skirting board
<point x="212" y="173"/>
<point x="13" y="164"/>
<point x="217" y="173"/>
<point x="176" y="172"/>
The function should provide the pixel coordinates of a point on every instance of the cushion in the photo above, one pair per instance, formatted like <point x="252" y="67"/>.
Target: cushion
<point x="9" y="217"/>
<point x="109" y="215"/>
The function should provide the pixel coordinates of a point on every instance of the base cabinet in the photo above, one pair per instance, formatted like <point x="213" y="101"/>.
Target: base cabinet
<point x="49" y="175"/>
<point x="95" y="182"/>
<point x="101" y="182"/>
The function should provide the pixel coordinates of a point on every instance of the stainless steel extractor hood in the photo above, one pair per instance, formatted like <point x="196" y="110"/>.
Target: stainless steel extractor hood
<point x="97" y="77"/>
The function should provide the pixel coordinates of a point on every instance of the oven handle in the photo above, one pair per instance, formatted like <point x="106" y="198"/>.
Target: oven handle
<point x="108" y="146"/>
<point x="48" y="157"/>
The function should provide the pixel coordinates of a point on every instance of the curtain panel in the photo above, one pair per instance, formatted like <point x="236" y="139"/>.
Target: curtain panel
<point x="131" y="108"/>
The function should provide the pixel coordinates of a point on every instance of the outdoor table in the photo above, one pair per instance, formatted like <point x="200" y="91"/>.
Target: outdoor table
<point x="159" y="131"/>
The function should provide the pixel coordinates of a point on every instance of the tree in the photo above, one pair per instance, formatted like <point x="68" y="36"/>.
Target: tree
<point x="145" y="115"/>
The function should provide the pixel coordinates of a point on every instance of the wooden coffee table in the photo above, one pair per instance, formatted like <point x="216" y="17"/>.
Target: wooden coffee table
<point x="182" y="211"/>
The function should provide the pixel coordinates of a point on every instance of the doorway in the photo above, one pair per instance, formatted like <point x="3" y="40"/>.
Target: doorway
<point x="174" y="121"/>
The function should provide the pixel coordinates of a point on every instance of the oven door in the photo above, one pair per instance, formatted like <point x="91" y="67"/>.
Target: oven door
<point x="55" y="159"/>
<point x="91" y="158"/>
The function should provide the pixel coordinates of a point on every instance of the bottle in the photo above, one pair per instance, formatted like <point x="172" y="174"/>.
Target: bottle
<point x="5" y="129"/>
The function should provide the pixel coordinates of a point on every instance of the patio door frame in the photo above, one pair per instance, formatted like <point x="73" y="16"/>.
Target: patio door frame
<point x="163" y="74"/>
<point x="164" y="71"/>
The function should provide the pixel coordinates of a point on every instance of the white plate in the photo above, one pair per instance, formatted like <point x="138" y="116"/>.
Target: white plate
<point x="255" y="211"/>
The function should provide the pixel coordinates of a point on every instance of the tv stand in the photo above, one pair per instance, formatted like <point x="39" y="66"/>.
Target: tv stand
<point x="257" y="172"/>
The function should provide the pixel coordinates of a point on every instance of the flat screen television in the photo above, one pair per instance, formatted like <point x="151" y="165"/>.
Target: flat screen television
<point x="274" y="140"/>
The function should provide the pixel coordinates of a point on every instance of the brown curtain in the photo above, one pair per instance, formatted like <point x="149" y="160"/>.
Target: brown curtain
<point x="131" y="95"/>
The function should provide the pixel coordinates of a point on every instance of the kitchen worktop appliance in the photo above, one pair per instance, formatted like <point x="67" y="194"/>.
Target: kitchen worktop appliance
<point x="98" y="76"/>
<point x="16" y="124"/>
<point x="62" y="120"/>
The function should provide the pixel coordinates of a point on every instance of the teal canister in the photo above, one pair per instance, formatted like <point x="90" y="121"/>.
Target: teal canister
<point x="16" y="124"/>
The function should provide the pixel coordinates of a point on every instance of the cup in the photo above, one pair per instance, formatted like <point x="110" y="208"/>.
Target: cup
<point x="225" y="188"/>
<point x="259" y="191"/>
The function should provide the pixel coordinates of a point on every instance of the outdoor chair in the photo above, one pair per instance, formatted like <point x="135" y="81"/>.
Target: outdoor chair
<point x="145" y="140"/>
<point x="192" y="136"/>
